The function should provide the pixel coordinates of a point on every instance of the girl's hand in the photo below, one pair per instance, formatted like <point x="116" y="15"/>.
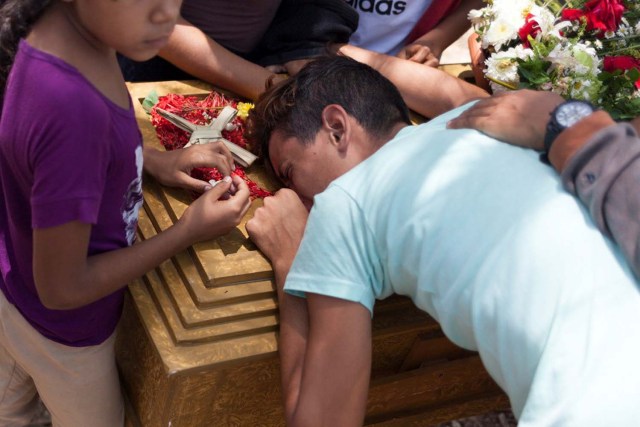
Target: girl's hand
<point x="173" y="168"/>
<point x="216" y="212"/>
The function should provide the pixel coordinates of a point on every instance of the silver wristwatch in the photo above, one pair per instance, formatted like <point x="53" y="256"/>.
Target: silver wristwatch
<point x="564" y="116"/>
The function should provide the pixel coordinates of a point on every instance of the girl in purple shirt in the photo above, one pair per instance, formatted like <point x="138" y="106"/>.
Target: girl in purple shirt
<point x="71" y="163"/>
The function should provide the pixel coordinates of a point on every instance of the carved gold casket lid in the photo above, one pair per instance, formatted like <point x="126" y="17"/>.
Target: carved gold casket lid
<point x="216" y="301"/>
<point x="198" y="341"/>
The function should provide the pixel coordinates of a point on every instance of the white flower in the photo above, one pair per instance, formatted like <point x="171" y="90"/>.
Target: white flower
<point x="545" y="20"/>
<point x="586" y="57"/>
<point x="561" y="55"/>
<point x="579" y="89"/>
<point x="585" y="88"/>
<point x="500" y="32"/>
<point x="559" y="27"/>
<point x="578" y="59"/>
<point x="520" y="52"/>
<point x="513" y="9"/>
<point x="476" y="17"/>
<point x="503" y="67"/>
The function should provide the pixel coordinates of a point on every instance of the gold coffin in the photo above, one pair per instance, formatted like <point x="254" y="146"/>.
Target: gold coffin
<point x="197" y="344"/>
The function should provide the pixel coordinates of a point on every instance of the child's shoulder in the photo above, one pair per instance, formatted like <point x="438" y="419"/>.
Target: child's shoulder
<point x="44" y="81"/>
<point x="49" y="74"/>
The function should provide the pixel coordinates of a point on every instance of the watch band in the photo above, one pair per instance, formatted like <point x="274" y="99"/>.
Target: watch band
<point x="552" y="131"/>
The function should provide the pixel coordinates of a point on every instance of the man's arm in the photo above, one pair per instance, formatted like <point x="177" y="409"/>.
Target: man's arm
<point x="426" y="90"/>
<point x="325" y="343"/>
<point x="325" y="360"/>
<point x="194" y="52"/>
<point x="598" y="159"/>
<point x="600" y="163"/>
<point x="333" y="376"/>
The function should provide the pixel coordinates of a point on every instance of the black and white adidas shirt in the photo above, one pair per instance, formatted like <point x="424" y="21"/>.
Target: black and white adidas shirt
<point x="385" y="24"/>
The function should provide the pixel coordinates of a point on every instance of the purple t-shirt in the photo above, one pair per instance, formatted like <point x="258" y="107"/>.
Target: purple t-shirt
<point x="67" y="153"/>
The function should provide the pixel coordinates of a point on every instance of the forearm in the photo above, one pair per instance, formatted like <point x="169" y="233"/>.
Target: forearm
<point x="604" y="174"/>
<point x="191" y="50"/>
<point x="426" y="90"/>
<point x="105" y="273"/>
<point x="294" y="329"/>
<point x="450" y="28"/>
<point x="152" y="161"/>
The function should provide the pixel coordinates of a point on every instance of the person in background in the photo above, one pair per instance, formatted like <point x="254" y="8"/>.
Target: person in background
<point x="417" y="30"/>
<point x="477" y="233"/>
<point x="71" y="164"/>
<point x="597" y="158"/>
<point x="239" y="46"/>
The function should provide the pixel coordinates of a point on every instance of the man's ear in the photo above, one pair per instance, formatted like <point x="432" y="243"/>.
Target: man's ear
<point x="337" y="125"/>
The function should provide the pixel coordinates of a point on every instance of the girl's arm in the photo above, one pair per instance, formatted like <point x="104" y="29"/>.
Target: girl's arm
<point x="67" y="278"/>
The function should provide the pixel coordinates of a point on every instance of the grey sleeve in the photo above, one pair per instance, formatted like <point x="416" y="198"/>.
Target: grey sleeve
<point x="605" y="175"/>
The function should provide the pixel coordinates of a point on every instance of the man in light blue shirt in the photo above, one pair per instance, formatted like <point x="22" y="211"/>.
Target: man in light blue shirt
<point x="477" y="233"/>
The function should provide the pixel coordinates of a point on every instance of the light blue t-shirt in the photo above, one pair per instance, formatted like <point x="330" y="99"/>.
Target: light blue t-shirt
<point x="481" y="235"/>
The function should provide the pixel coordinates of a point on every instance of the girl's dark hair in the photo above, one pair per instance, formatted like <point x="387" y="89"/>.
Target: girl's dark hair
<point x="16" y="19"/>
<point x="295" y="105"/>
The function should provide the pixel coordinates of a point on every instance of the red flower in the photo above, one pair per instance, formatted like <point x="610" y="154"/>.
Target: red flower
<point x="531" y="28"/>
<point x="613" y="63"/>
<point x="601" y="15"/>
<point x="201" y="111"/>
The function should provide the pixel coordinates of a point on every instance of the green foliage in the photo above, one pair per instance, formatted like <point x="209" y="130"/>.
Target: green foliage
<point x="149" y="101"/>
<point x="533" y="72"/>
<point x="619" y="95"/>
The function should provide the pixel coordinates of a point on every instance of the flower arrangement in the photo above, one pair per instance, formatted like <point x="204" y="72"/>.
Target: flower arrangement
<point x="581" y="49"/>
<point x="202" y="111"/>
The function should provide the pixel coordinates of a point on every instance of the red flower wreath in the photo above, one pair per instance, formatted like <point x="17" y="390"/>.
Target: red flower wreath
<point x="200" y="112"/>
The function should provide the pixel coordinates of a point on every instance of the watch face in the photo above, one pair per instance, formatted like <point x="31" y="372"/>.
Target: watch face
<point x="570" y="113"/>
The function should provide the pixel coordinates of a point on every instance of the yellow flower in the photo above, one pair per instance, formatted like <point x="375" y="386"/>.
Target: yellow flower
<point x="243" y="109"/>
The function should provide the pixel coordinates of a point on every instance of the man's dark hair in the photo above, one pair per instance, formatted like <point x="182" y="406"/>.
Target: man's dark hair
<point x="295" y="105"/>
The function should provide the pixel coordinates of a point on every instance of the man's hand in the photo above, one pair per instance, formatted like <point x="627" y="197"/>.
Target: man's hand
<point x="420" y="53"/>
<point x="519" y="117"/>
<point x="173" y="168"/>
<point x="277" y="228"/>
